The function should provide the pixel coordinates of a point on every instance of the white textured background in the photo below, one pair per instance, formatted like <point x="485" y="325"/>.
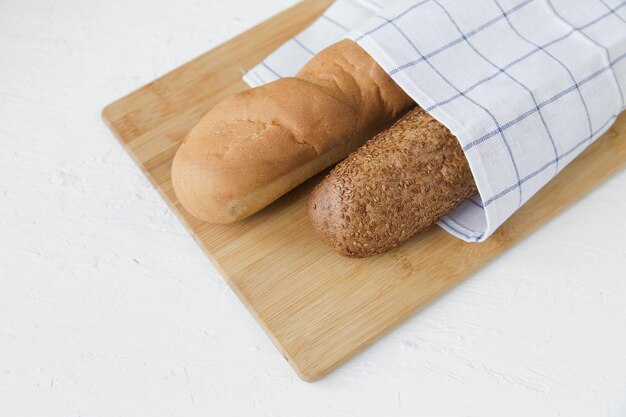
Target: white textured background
<point x="108" y="308"/>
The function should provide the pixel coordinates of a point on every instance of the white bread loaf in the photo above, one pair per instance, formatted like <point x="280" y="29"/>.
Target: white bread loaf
<point x="258" y="144"/>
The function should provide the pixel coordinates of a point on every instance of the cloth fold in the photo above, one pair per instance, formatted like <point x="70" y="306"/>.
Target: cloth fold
<point x="525" y="85"/>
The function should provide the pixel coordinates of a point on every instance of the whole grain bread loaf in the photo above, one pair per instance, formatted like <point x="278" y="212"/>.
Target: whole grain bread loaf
<point x="258" y="144"/>
<point x="399" y="183"/>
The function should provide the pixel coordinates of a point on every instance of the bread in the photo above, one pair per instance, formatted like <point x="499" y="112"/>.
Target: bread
<point x="398" y="184"/>
<point x="258" y="144"/>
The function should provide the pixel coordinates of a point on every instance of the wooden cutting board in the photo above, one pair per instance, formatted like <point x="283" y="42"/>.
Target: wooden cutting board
<point x="317" y="307"/>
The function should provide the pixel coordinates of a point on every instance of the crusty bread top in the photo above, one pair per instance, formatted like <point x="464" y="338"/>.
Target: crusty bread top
<point x="396" y="185"/>
<point x="260" y="135"/>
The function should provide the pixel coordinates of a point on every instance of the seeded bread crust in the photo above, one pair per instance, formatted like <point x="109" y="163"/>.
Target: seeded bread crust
<point x="398" y="184"/>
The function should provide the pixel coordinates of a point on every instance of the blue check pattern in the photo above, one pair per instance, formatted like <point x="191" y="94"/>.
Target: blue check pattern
<point x="525" y="85"/>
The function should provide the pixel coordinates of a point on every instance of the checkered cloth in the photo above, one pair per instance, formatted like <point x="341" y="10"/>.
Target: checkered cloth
<point x="525" y="85"/>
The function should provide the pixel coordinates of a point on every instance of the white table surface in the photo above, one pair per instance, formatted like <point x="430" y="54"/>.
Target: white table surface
<point x="108" y="307"/>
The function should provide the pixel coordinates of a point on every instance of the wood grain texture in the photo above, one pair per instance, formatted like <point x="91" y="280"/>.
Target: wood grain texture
<point x="317" y="307"/>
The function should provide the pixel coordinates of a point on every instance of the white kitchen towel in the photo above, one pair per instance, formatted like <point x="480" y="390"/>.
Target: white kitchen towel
<point x="525" y="85"/>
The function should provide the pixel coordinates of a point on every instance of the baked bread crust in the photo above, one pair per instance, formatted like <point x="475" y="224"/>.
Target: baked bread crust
<point x="258" y="144"/>
<point x="399" y="183"/>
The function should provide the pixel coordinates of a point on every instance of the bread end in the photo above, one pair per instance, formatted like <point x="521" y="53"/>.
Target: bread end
<point x="330" y="222"/>
<point x="192" y="185"/>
